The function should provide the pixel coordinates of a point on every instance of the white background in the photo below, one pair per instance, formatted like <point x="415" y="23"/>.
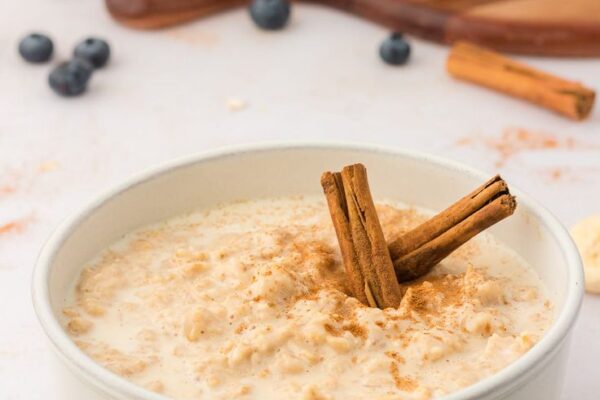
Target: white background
<point x="164" y="95"/>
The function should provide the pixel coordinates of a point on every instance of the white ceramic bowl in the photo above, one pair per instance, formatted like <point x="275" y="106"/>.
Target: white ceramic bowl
<point x="249" y="172"/>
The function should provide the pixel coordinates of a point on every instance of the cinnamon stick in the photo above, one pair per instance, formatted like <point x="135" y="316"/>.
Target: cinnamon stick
<point x="364" y="250"/>
<point x="417" y="251"/>
<point x="490" y="69"/>
<point x="374" y="268"/>
<point x="336" y="200"/>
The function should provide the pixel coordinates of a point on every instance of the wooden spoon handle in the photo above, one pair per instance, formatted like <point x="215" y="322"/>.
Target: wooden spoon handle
<point x="396" y="14"/>
<point x="444" y="21"/>
<point x="152" y="14"/>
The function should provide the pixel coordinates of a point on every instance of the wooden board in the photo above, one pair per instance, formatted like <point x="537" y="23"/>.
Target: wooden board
<point x="537" y="27"/>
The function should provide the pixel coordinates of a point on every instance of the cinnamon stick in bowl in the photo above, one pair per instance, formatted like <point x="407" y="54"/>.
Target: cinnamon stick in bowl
<point x="364" y="250"/>
<point x="374" y="267"/>
<point x="420" y="249"/>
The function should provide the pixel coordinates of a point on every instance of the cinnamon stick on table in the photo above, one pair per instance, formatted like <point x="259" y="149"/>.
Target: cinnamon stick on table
<point x="364" y="250"/>
<point x="487" y="68"/>
<point x="416" y="252"/>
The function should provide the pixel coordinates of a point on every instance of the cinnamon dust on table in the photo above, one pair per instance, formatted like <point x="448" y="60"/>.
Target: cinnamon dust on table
<point x="10" y="182"/>
<point x="555" y="174"/>
<point x="513" y="141"/>
<point x="13" y="180"/>
<point x="7" y="189"/>
<point x="559" y="174"/>
<point x="15" y="226"/>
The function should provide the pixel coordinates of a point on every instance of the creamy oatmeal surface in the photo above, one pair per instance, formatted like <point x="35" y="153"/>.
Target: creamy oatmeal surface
<point x="249" y="300"/>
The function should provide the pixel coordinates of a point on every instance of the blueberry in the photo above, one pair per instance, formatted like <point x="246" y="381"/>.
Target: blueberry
<point x="94" y="50"/>
<point x="71" y="78"/>
<point x="36" y="48"/>
<point x="270" y="14"/>
<point x="395" y="50"/>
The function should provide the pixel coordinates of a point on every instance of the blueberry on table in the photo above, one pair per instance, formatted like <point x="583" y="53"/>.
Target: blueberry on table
<point x="270" y="14"/>
<point x="71" y="78"/>
<point x="95" y="51"/>
<point x="395" y="50"/>
<point x="36" y="48"/>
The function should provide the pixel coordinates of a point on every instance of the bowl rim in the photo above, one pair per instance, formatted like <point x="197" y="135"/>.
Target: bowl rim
<point x="501" y="383"/>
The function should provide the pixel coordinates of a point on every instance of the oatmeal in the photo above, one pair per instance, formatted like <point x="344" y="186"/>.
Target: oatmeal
<point x="250" y="300"/>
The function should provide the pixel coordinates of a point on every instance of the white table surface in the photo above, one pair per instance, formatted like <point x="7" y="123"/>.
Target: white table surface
<point x="164" y="95"/>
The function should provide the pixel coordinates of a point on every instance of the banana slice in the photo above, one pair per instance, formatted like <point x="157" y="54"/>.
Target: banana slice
<point x="586" y="234"/>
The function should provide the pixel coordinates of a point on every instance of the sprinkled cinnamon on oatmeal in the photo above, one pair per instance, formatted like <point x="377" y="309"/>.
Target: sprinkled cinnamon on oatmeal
<point x="402" y="383"/>
<point x="250" y="300"/>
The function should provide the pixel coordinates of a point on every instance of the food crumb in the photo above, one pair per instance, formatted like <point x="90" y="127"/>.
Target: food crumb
<point x="48" y="166"/>
<point x="235" y="104"/>
<point x="156" y="386"/>
<point x="244" y="390"/>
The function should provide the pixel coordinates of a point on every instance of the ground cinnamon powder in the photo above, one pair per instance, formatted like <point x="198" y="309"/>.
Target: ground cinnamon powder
<point x="402" y="382"/>
<point x="14" y="226"/>
<point x="513" y="141"/>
